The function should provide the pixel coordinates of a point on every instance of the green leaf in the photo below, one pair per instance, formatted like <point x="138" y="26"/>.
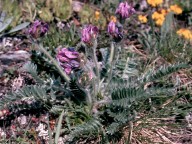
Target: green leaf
<point x="78" y="93"/>
<point x="2" y="18"/>
<point x="112" y="128"/>
<point x="5" y="24"/>
<point x="59" y="127"/>
<point x="167" y="25"/>
<point x="19" y="27"/>
<point x="32" y="69"/>
<point x="125" y="97"/>
<point x="93" y="126"/>
<point x="152" y="75"/>
<point x="49" y="131"/>
<point x="35" y="92"/>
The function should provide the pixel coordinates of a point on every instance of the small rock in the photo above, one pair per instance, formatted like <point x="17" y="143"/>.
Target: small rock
<point x="14" y="56"/>
<point x="42" y="131"/>
<point x="2" y="133"/>
<point x="17" y="83"/>
<point x="1" y="71"/>
<point x="77" y="6"/>
<point x="22" y="120"/>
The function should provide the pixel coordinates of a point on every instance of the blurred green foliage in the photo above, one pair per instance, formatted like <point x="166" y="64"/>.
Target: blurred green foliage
<point x="87" y="15"/>
<point x="56" y="37"/>
<point x="186" y="4"/>
<point x="28" y="10"/>
<point x="166" y="43"/>
<point x="13" y="10"/>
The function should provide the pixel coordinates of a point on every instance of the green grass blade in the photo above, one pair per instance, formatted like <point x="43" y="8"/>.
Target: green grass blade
<point x="59" y="127"/>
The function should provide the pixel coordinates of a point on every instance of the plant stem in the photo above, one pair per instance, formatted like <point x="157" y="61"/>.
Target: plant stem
<point x="96" y="65"/>
<point x="63" y="74"/>
<point x="112" y="53"/>
<point x="130" y="132"/>
<point x="111" y="62"/>
<point x="102" y="102"/>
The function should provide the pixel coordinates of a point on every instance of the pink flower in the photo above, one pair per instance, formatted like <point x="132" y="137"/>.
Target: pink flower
<point x="68" y="59"/>
<point x="88" y="33"/>
<point x="38" y="29"/>
<point x="112" y="29"/>
<point x="115" y="31"/>
<point x="125" y="10"/>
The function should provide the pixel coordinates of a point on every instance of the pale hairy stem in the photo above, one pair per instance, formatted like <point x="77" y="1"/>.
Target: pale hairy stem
<point x="112" y="51"/>
<point x="96" y="66"/>
<point x="130" y="132"/>
<point x="111" y="63"/>
<point x="103" y="102"/>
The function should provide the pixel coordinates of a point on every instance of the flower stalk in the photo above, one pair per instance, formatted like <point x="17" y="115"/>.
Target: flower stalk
<point x="111" y="57"/>
<point x="96" y="65"/>
<point x="130" y="132"/>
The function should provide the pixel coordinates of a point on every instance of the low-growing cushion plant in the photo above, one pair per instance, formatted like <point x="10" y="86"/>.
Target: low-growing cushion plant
<point x="95" y="92"/>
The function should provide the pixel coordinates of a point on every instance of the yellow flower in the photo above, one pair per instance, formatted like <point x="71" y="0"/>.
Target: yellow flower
<point x="164" y="12"/>
<point x="156" y="15"/>
<point x="97" y="15"/>
<point x="176" y="9"/>
<point x="154" y="3"/>
<point x="186" y="33"/>
<point x="142" y="19"/>
<point x="159" y="22"/>
<point x="159" y="17"/>
<point x="114" y="19"/>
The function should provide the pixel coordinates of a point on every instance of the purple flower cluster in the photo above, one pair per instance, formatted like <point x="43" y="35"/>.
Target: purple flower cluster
<point x="115" y="31"/>
<point x="88" y="33"/>
<point x="125" y="10"/>
<point x="68" y="59"/>
<point x="112" y="29"/>
<point x="38" y="29"/>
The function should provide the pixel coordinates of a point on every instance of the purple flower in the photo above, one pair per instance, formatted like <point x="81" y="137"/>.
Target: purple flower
<point x="112" y="29"/>
<point x="68" y="59"/>
<point x="38" y="29"/>
<point x="116" y="31"/>
<point x="88" y="33"/>
<point x="125" y="10"/>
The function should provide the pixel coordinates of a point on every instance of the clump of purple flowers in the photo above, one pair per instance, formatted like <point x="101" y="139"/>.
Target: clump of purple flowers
<point x="38" y="29"/>
<point x="125" y="10"/>
<point x="88" y="33"/>
<point x="115" y="31"/>
<point x="112" y="29"/>
<point x="68" y="59"/>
